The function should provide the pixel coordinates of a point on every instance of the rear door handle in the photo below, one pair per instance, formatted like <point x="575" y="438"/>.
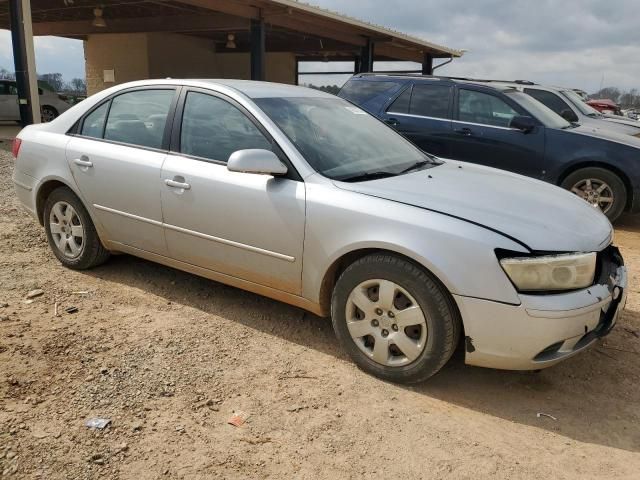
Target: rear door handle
<point x="464" y="131"/>
<point x="83" y="163"/>
<point x="176" y="184"/>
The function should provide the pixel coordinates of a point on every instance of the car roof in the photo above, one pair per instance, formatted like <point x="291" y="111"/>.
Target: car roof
<point x="405" y="78"/>
<point x="250" y="88"/>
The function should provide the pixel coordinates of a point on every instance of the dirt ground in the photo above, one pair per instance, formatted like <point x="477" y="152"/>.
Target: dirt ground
<point x="169" y="356"/>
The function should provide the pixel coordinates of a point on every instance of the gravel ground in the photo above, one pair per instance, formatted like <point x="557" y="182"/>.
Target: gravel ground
<point x="168" y="357"/>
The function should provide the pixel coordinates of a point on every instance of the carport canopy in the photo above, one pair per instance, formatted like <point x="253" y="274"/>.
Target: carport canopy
<point x="254" y="27"/>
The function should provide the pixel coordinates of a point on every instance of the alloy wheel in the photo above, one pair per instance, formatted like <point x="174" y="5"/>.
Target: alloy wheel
<point x="596" y="192"/>
<point x="66" y="229"/>
<point x="386" y="322"/>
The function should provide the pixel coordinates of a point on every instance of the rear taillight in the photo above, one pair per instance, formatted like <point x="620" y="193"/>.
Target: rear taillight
<point x="15" y="148"/>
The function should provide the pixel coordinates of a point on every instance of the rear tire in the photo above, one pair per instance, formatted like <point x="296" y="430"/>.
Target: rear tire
<point x="601" y="188"/>
<point x="48" y="113"/>
<point x="418" y="328"/>
<point x="70" y="232"/>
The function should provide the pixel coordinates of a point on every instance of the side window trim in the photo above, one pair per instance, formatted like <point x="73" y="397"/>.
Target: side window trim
<point x="176" y="130"/>
<point x="76" y="129"/>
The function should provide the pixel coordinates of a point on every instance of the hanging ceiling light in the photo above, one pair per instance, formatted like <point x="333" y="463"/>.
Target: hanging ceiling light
<point x="98" y="21"/>
<point x="231" y="41"/>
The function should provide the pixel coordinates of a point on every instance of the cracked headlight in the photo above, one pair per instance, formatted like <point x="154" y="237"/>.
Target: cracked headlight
<point x="551" y="272"/>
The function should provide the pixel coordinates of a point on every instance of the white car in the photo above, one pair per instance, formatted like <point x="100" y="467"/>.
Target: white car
<point x="51" y="103"/>
<point x="303" y="197"/>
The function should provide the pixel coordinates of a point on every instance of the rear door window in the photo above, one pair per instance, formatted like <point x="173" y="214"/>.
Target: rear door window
<point x="431" y="101"/>
<point x="93" y="125"/>
<point x="139" y="117"/>
<point x="361" y="91"/>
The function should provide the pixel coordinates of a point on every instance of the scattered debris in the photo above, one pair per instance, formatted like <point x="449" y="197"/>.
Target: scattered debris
<point x="71" y="309"/>
<point x="35" y="293"/>
<point x="541" y="414"/>
<point x="288" y="377"/>
<point x="256" y="441"/>
<point x="82" y="292"/>
<point x="295" y="408"/>
<point x="3" y="305"/>
<point x="4" y="318"/>
<point x="238" y="418"/>
<point x="97" y="458"/>
<point x="55" y="309"/>
<point x="99" y="423"/>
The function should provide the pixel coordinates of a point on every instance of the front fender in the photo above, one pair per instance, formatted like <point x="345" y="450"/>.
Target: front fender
<point x="455" y="251"/>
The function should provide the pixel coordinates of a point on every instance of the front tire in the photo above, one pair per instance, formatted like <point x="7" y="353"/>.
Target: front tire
<point x="601" y="188"/>
<point x="70" y="232"/>
<point x="394" y="319"/>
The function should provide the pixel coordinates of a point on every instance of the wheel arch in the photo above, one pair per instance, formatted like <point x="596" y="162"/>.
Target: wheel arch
<point x="333" y="272"/>
<point x="44" y="190"/>
<point x="606" y="166"/>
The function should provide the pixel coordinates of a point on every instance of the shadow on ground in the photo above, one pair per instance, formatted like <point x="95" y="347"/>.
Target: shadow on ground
<point x="581" y="391"/>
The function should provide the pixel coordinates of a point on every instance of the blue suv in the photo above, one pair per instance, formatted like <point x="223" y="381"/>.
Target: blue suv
<point x="502" y="127"/>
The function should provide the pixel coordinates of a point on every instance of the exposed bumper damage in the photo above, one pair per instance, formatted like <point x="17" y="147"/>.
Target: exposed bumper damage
<point x="544" y="329"/>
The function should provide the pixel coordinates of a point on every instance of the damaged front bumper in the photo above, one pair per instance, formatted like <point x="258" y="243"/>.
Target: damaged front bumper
<point x="544" y="329"/>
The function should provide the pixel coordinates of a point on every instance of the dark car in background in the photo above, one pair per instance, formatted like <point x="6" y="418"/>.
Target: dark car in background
<point x="502" y="127"/>
<point x="570" y="106"/>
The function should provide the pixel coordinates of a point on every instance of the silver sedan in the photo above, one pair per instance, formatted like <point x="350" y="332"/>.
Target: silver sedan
<point x="300" y="196"/>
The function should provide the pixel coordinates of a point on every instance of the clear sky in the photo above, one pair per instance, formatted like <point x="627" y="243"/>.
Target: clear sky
<point x="566" y="42"/>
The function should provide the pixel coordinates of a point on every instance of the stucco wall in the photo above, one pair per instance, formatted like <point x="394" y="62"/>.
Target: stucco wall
<point x="180" y="56"/>
<point x="125" y="54"/>
<point x="159" y="55"/>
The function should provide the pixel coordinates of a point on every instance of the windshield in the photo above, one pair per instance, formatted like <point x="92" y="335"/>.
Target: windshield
<point x="548" y="117"/>
<point x="341" y="141"/>
<point x="580" y="104"/>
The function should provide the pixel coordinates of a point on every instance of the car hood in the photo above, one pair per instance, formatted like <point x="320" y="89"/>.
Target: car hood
<point x="541" y="216"/>
<point x="608" y="134"/>
<point x="611" y="126"/>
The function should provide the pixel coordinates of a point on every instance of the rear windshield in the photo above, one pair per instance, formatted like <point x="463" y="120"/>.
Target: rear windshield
<point x="361" y="91"/>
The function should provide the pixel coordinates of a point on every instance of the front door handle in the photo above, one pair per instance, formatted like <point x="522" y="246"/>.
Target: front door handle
<point x="82" y="162"/>
<point x="392" y="121"/>
<point x="467" y="132"/>
<point x="176" y="184"/>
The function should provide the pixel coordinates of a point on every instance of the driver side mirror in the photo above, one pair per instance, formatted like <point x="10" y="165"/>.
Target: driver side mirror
<point x="257" y="161"/>
<point x="523" y="123"/>
<point x="569" y="115"/>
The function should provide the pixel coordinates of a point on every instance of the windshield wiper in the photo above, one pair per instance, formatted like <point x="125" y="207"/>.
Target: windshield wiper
<point x="419" y="165"/>
<point x="367" y="176"/>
